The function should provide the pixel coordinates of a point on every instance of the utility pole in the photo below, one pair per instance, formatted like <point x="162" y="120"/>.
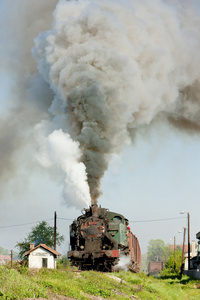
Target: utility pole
<point x="183" y="250"/>
<point x="11" y="256"/>
<point x="188" y="215"/>
<point x="55" y="219"/>
<point x="174" y="253"/>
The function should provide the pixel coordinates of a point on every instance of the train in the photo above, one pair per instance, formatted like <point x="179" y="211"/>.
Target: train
<point x="99" y="239"/>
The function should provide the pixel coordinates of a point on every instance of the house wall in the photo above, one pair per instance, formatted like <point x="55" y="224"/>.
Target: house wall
<point x="155" y="267"/>
<point x="193" y="253"/>
<point x="36" y="256"/>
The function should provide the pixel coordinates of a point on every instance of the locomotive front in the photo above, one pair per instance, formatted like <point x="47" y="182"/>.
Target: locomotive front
<point x="92" y="245"/>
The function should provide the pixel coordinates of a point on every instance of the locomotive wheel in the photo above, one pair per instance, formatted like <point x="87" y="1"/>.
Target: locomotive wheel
<point x="108" y="267"/>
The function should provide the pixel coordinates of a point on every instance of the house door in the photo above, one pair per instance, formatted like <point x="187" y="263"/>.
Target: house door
<point x="44" y="262"/>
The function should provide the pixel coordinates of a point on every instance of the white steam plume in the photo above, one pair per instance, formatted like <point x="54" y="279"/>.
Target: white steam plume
<point x="123" y="264"/>
<point x="59" y="151"/>
<point x="115" y="66"/>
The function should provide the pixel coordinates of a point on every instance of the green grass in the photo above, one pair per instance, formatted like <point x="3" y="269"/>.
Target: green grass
<point x="24" y="283"/>
<point x="14" y="285"/>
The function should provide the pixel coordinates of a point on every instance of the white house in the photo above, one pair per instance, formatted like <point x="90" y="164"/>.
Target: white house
<point x="193" y="253"/>
<point x="41" y="256"/>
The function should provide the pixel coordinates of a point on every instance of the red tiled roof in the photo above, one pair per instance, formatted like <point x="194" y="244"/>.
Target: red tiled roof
<point x="180" y="246"/>
<point x="43" y="246"/>
<point x="5" y="257"/>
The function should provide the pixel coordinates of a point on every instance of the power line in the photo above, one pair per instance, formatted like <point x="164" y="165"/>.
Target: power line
<point x="141" y="221"/>
<point x="17" y="225"/>
<point x="24" y="224"/>
<point x="157" y="220"/>
<point x="65" y="219"/>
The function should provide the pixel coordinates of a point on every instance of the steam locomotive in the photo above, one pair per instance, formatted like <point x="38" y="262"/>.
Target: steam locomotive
<point x="99" y="238"/>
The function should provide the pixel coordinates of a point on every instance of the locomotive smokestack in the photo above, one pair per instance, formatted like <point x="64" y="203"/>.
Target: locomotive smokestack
<point x="94" y="201"/>
<point x="95" y="209"/>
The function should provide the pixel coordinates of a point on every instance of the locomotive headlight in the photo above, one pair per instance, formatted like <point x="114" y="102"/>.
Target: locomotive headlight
<point x="75" y="254"/>
<point x="82" y="247"/>
<point x="108" y="253"/>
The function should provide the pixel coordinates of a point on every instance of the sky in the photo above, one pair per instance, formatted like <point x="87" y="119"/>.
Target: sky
<point x="149" y="178"/>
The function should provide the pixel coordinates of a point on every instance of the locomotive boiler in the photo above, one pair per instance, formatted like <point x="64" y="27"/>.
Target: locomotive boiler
<point x="99" y="238"/>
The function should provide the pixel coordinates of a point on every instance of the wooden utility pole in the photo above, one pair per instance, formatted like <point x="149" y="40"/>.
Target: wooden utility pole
<point x="188" y="215"/>
<point x="55" y="219"/>
<point x="174" y="253"/>
<point x="183" y="250"/>
<point x="11" y="256"/>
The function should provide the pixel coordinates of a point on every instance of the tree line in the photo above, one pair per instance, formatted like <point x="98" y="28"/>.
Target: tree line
<point x="158" y="251"/>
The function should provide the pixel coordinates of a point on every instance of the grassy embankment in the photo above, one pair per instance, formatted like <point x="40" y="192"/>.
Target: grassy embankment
<point x="24" y="283"/>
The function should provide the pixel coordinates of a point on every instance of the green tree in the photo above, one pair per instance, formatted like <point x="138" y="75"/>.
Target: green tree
<point x="174" y="263"/>
<point x="41" y="233"/>
<point x="144" y="263"/>
<point x="4" y="251"/>
<point x="8" y="252"/>
<point x="157" y="251"/>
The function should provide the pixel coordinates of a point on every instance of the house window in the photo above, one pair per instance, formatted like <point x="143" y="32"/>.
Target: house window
<point x="44" y="262"/>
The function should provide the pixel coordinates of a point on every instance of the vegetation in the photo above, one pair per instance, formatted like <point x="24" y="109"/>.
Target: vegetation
<point x="144" y="263"/>
<point x="7" y="252"/>
<point x="174" y="261"/>
<point x="4" y="251"/>
<point x="23" y="283"/>
<point x="41" y="233"/>
<point x="157" y="251"/>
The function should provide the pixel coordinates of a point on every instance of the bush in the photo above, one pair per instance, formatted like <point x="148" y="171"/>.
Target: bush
<point x="23" y="270"/>
<point x="172" y="265"/>
<point x="63" y="263"/>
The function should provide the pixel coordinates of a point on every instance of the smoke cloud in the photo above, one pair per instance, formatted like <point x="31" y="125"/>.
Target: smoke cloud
<point x="106" y="69"/>
<point x="25" y="97"/>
